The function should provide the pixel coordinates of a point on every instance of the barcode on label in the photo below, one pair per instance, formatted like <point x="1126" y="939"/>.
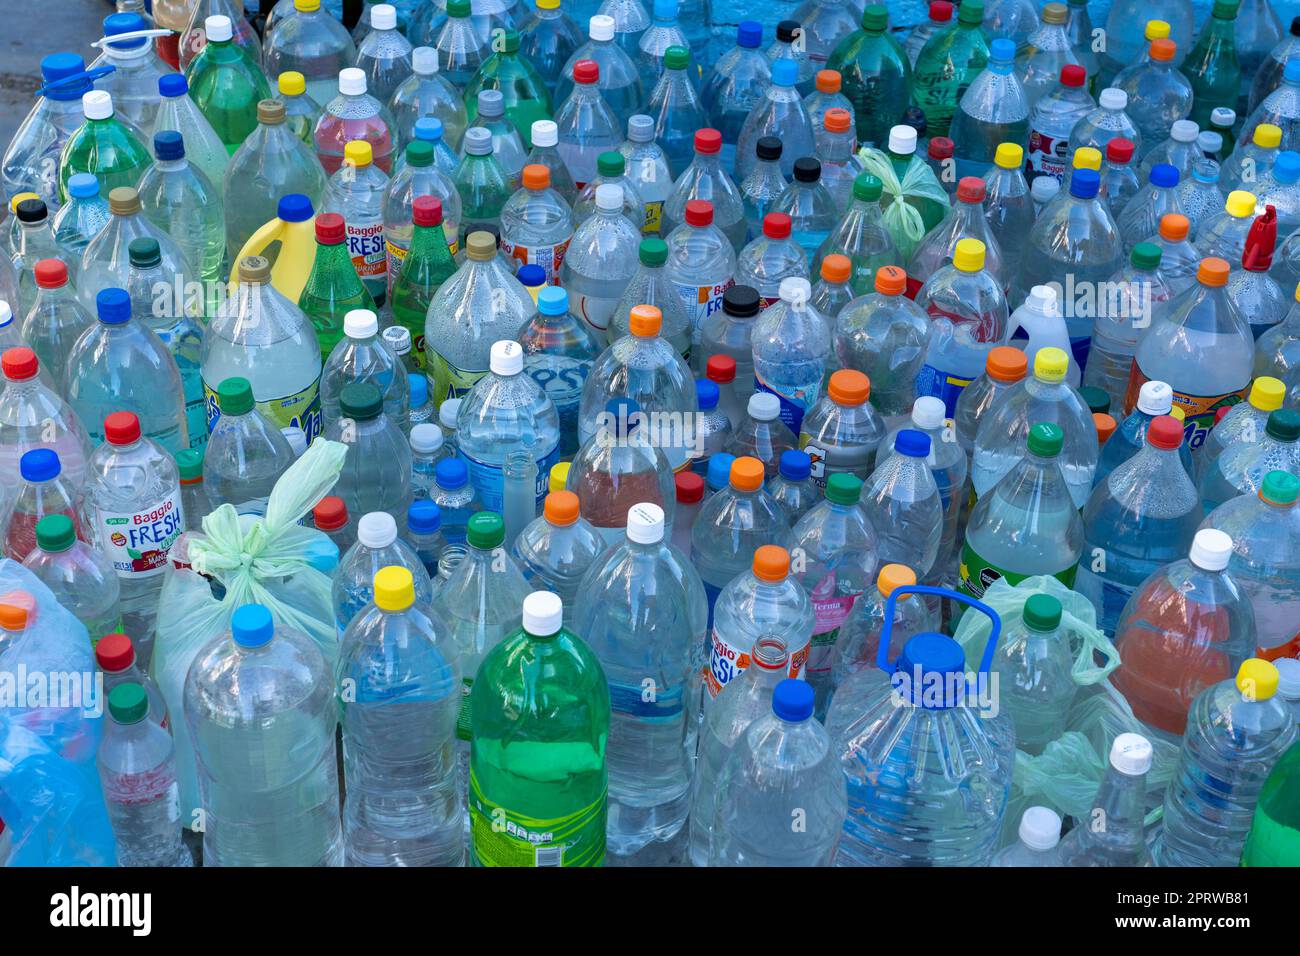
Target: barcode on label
<point x="549" y="856"/>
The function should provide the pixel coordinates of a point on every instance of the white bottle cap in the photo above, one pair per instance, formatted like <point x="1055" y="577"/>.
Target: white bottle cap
<point x="928" y="412"/>
<point x="543" y="613"/>
<point x="902" y="140"/>
<point x="601" y="27"/>
<point x="1209" y="142"/>
<point x="377" y="529"/>
<point x="478" y="141"/>
<point x="1112" y="99"/>
<point x="1040" y="828"/>
<point x="97" y="105"/>
<point x="297" y="439"/>
<point x="424" y="60"/>
<point x="1211" y="549"/>
<point x="360" y="324"/>
<point x="506" y="358"/>
<point x="218" y="28"/>
<point x="397" y="338"/>
<point x="1155" y="398"/>
<point x="1042" y="298"/>
<point x="6" y="313"/>
<point x="609" y="196"/>
<point x="1288" y="678"/>
<point x="1130" y="754"/>
<point x="426" y="438"/>
<point x="641" y="128"/>
<point x="796" y="291"/>
<point x="491" y="104"/>
<point x="383" y="16"/>
<point x="645" y="523"/>
<point x="1223" y="116"/>
<point x="1044" y="188"/>
<point x="764" y="407"/>
<point x="1184" y="131"/>
<point x="545" y="133"/>
<point x="352" y="82"/>
<point x="447" y="413"/>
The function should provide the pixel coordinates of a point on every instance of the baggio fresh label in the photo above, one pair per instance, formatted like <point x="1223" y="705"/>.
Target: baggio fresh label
<point x="727" y="660"/>
<point x="369" y="255"/>
<point x="137" y="542"/>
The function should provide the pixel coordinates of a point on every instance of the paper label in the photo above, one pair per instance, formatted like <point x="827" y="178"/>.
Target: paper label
<point x="550" y="258"/>
<point x="727" y="660"/>
<point x="702" y="301"/>
<point x="369" y="256"/>
<point x="935" y="381"/>
<point x="137" y="543"/>
<point x="445" y="379"/>
<point x="975" y="575"/>
<point x="299" y="410"/>
<point x="793" y="407"/>
<point x="830" y="611"/>
<point x="1199" y="410"/>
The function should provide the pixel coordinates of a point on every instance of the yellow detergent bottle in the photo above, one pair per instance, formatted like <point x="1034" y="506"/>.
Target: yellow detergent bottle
<point x="294" y="228"/>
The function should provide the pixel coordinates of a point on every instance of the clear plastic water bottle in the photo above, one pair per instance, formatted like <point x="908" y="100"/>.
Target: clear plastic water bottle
<point x="43" y="491"/>
<point x="460" y="47"/>
<point x="402" y="666"/>
<point x="713" y="428"/>
<point x="55" y="320"/>
<point x="428" y="95"/>
<point x="647" y="171"/>
<point x="356" y="191"/>
<point x="706" y="180"/>
<point x="559" y="351"/>
<point x="1244" y="422"/>
<point x="994" y="109"/>
<point x="1039" y="838"/>
<point x="377" y="546"/>
<point x="1129" y="438"/>
<point x="454" y="496"/>
<point x="611" y="167"/>
<point x="77" y="574"/>
<point x="301" y="111"/>
<point x="651" y="285"/>
<point x="363" y="356"/>
<point x="652" y="46"/>
<point x="116" y="657"/>
<point x="810" y="205"/>
<point x="1008" y="204"/>
<point x="384" y="54"/>
<point x="549" y="38"/>
<point x="1157" y="93"/>
<point x="1119" y="180"/>
<point x="884" y="335"/>
<point x="965" y="220"/>
<point x="832" y="293"/>
<point x="1280" y="190"/>
<point x="859" y="642"/>
<point x="376" y="473"/>
<point x="793" y="487"/>
<point x="762" y="433"/>
<point x="766" y="261"/>
<point x="1051" y="121"/>
<point x="1047" y="49"/>
<point x="676" y="108"/>
<point x="33" y="415"/>
<point x="1240" y="470"/>
<point x="557" y="549"/>
<point x="762" y="189"/>
<point x="948" y="465"/>
<point x="537" y="223"/>
<point x="246" y="454"/>
<point x="1108" y="121"/>
<point x="619" y="82"/>
<point x="1033" y="664"/>
<point x="1182" y="149"/>
<point x="735" y="86"/>
<point x="1144" y="211"/>
<point x="841" y="432"/>
<point x="1003" y="369"/>
<point x="82" y="217"/>
<point x="1140" y="288"/>
<point x="310" y="41"/>
<point x="792" y="348"/>
<point x="780" y="113"/>
<point x="600" y="260"/>
<point x="253" y="690"/>
<point x="903" y="503"/>
<point x="424" y="534"/>
<point x="1224" y="234"/>
<point x="180" y="200"/>
<point x="1121" y="802"/>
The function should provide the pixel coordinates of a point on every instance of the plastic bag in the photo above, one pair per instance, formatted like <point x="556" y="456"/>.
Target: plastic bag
<point x="901" y="218"/>
<point x="51" y="718"/>
<point x="272" y="561"/>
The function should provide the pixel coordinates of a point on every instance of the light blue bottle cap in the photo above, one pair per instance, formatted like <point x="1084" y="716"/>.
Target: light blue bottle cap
<point x="251" y="625"/>
<point x="665" y="9"/>
<point x="1002" y="49"/>
<point x="912" y="443"/>
<point x="792" y="700"/>
<point x="1291" y="72"/>
<point x="1084" y="184"/>
<point x="706" y="393"/>
<point x="451" y="474"/>
<point x="785" y="72"/>
<point x="428" y="128"/>
<point x="1164" y="175"/>
<point x="424" y="517"/>
<point x="720" y="470"/>
<point x="794" y="465"/>
<point x="552" y="300"/>
<point x="113" y="306"/>
<point x="419" y="387"/>
<point x="1286" y="168"/>
<point x="83" y="185"/>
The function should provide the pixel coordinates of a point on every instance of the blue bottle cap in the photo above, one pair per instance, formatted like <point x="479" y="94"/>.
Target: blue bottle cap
<point x="785" y="72"/>
<point x="531" y="276"/>
<point x="1084" y="184"/>
<point x="665" y="9"/>
<point x="1291" y="72"/>
<point x="912" y="443"/>
<point x="622" y="415"/>
<point x="1002" y="49"/>
<point x="168" y="144"/>
<point x="173" y="84"/>
<point x="706" y="393"/>
<point x="451" y="474"/>
<point x="251" y="625"/>
<point x="794" y="465"/>
<point x="113" y="306"/>
<point x="749" y="34"/>
<point x="295" y="207"/>
<point x="83" y="185"/>
<point x="936" y="660"/>
<point x="116" y="23"/>
<point x="720" y="470"/>
<point x="793" y="700"/>
<point x="428" y="128"/>
<point x="1286" y="168"/>
<point x="39" y="464"/>
<point x="1164" y="175"/>
<point x="423" y="517"/>
<point x="552" y="300"/>
<point x="64" y="66"/>
<point x="419" y="388"/>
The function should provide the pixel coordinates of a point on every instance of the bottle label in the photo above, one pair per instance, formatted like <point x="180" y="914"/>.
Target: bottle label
<point x="1288" y="648"/>
<point x="488" y="480"/>
<point x="654" y="218"/>
<point x="550" y="258"/>
<point x="462" y="714"/>
<point x="975" y="575"/>
<point x="817" y="454"/>
<point x="726" y="661"/>
<point x="793" y="407"/>
<point x="702" y="301"/>
<point x="196" y="406"/>
<point x="503" y="837"/>
<point x="1045" y="156"/>
<point x="447" y="380"/>
<point x="299" y="410"/>
<point x="934" y="381"/>
<point x="369" y="256"/>
<point x="596" y="311"/>
<point x="396" y="256"/>
<point x="646" y="702"/>
<point x="1199" y="410"/>
<point x="137" y="542"/>
<point x="562" y="379"/>
<point x="830" y="611"/>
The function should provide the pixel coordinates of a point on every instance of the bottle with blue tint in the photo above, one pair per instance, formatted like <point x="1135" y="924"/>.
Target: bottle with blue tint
<point x="587" y="125"/>
<point x="735" y="86"/>
<point x="1141" y="217"/>
<point x="455" y="498"/>
<point x="1242" y="423"/>
<point x="676" y="109"/>
<point x="712" y="427"/>
<point x="770" y="259"/>
<point x="377" y="546"/>
<point x="615" y="74"/>
<point x="781" y="113"/>
<point x="793" y="487"/>
<point x="1154" y="399"/>
<point x="83" y="216"/>
<point x="812" y="209"/>
<point x="179" y="199"/>
<point x="761" y="433"/>
<point x="203" y="147"/>
<point x="902" y="500"/>
<point x="631" y="21"/>
<point x="763" y="188"/>
<point x="376" y="474"/>
<point x="246" y="454"/>
<point x="792" y="351"/>
<point x="1033" y="664"/>
<point x="707" y="181"/>
<point x="790" y="46"/>
<point x="549" y="38"/>
<point x="556" y="550"/>
<point x="993" y="110"/>
<point x="1279" y="189"/>
<point x="424" y="534"/>
<point x="647" y="170"/>
<point x="652" y="48"/>
<point x="559" y="351"/>
<point x="363" y="356"/>
<point x="1241" y="468"/>
<point x="429" y="448"/>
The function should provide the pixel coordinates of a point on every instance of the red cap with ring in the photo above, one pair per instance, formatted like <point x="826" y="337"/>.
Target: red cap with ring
<point x="690" y="487"/>
<point x="330" y="229"/>
<point x="970" y="189"/>
<point x="586" y="71"/>
<point x="114" y="653"/>
<point x="330" y="514"/>
<point x="1165" y="432"/>
<point x="1119" y="150"/>
<point x="19" y="364"/>
<point x="708" y="141"/>
<point x="720" y="368"/>
<point x="427" y="211"/>
<point x="699" y="212"/>
<point x="50" y="274"/>
<point x="776" y="225"/>
<point x="121" y="428"/>
<point x="1072" y="74"/>
<point x="940" y="147"/>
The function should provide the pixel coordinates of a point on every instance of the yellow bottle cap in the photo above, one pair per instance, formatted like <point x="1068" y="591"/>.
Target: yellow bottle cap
<point x="1267" y="393"/>
<point x="306" y="6"/>
<point x="559" y="477"/>
<point x="1050" y="365"/>
<point x="1257" y="679"/>
<point x="1009" y="155"/>
<point x="21" y="197"/>
<point x="1157" y="30"/>
<point x="969" y="255"/>
<point x="1087" y="157"/>
<point x="292" y="83"/>
<point x="394" y="588"/>
<point x="1240" y="204"/>
<point x="1178" y="413"/>
<point x="1267" y="135"/>
<point x="548" y="4"/>
<point x="358" y="153"/>
<point x="893" y="576"/>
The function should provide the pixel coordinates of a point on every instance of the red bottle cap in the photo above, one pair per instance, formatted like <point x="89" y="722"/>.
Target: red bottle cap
<point x="940" y="147"/>
<point x="19" y="364"/>
<point x="586" y="71"/>
<point x="1165" y="432"/>
<point x="720" y="369"/>
<point x="708" y="141"/>
<point x="426" y="211"/>
<point x="330" y="514"/>
<point x="970" y="189"/>
<point x="121" y="428"/>
<point x="1119" y="150"/>
<point x="330" y="229"/>
<point x="50" y="274"/>
<point x="776" y="225"/>
<point x="699" y="212"/>
<point x="940" y="11"/>
<point x="1072" y="74"/>
<point x="114" y="653"/>
<point x="690" y="487"/>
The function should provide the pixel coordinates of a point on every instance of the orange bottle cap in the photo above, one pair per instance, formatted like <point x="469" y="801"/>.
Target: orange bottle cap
<point x="645" y="320"/>
<point x="1006" y="364"/>
<point x="536" y="176"/>
<point x="849" y="387"/>
<point x="837" y="120"/>
<point x="561" y="508"/>
<point x="746" y="474"/>
<point x="1212" y="271"/>
<point x="836" y="268"/>
<point x="17" y="608"/>
<point x="829" y="81"/>
<point x="891" y="280"/>
<point x="895" y="576"/>
<point x="1163" y="50"/>
<point x="771" y="563"/>
<point x="1174" y="227"/>
<point x="1106" y="426"/>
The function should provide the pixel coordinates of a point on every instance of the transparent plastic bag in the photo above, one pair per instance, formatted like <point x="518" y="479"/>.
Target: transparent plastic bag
<point x="901" y="218"/>
<point x="272" y="560"/>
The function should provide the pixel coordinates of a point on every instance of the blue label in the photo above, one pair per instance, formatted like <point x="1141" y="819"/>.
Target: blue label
<point x="941" y="384"/>
<point x="488" y="480"/>
<point x="791" y="410"/>
<point x="645" y="701"/>
<point x="1079" y="349"/>
<point x="711" y="591"/>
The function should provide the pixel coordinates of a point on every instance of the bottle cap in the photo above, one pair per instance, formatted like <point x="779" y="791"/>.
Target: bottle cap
<point x="113" y="306"/>
<point x="83" y="185"/>
<point x="491" y="104"/>
<point x="189" y="462"/>
<point x="719" y="470"/>
<point x="893" y="576"/>
<point x="394" y="588"/>
<point x="867" y="188"/>
<point x="1288" y="678"/>
<point x="1050" y="364"/>
<point x="1155" y="398"/>
<point x="1165" y="432"/>
<point x="586" y="72"/>
<point x="764" y="407"/>
<point x="837" y="120"/>
<point x="289" y="83"/>
<point x="1130" y="754"/>
<point x="17" y="609"/>
<point x="1240" y="204"/>
<point x="689" y="487"/>
<point x="771" y="563"/>
<point x="1267" y="136"/>
<point x="485" y="530"/>
<point x="1283" y="425"/>
<point x="1212" y="272"/>
<point x="749" y="34"/>
<point x="645" y="523"/>
<point x="123" y="201"/>
<point x="971" y="189"/>
<point x="609" y="197"/>
<point x="1164" y="176"/>
<point x="143" y="252"/>
<point x="828" y="81"/>
<point x="450" y="473"/>
<point x="969" y="254"/>
<point x="97" y="105"/>
<point x="837" y="268"/>
<point x="795" y="291"/>
<point x="481" y="246"/>
<point x="361" y="401"/>
<point x="532" y="276"/>
<point x="912" y="443"/>
<point x="561" y="508"/>
<point x="1178" y="413"/>
<point x="1146" y="255"/>
<point x="352" y="81"/>
<point x="378" y="529"/>
<point x="114" y="652"/>
<point x="1006" y="364"/>
<point x="543" y="611"/>
<point x="794" y="465"/>
<point x="1211" y="549"/>
<point x="928" y="413"/>
<point x="426" y="211"/>
<point x="448" y="412"/>
<point x="252" y="625"/>
<point x="768" y="148"/>
<point x="1105" y="426"/>
<point x="1087" y="157"/>
<point x="721" y="368"/>
<point x="50" y="274"/>
<point x="902" y="139"/>
<point x="645" y="320"/>
<point x="1267" y="393"/>
<point x="785" y="73"/>
<point x="676" y="58"/>
<point x="1286" y="168"/>
<point x="1156" y="29"/>
<point x="1009" y="155"/>
<point x="552" y="300"/>
<point x="30" y="210"/>
<point x="1085" y="183"/>
<point x="792" y="700"/>
<point x="1043" y="299"/>
<point x="426" y="438"/>
<point x="168" y="145"/>
<point x="478" y="141"/>
<point x="330" y="229"/>
<point x="891" y="280"/>
<point x="807" y="169"/>
<point x="1055" y="13"/>
<point x="970" y="13"/>
<point x="54" y="533"/>
<point x="848" y="387"/>
<point x="1040" y="828"/>
<point x="545" y="133"/>
<point x="1280" y="488"/>
<point x="843" y="488"/>
<point x="121" y="428"/>
<point x="558" y="476"/>
<point x="776" y="225"/>
<point x="1119" y="150"/>
<point x="460" y="9"/>
<point x="360" y="324"/>
<point x="708" y="141"/>
<point x="699" y="212"/>
<point x="235" y="396"/>
<point x="1002" y="50"/>
<point x="1174" y="227"/>
<point x="601" y="27"/>
<point x="652" y="252"/>
<point x="1045" y="439"/>
<point x="218" y="29"/>
<point x="706" y="393"/>
<point x="358" y="153"/>
<point x="609" y="163"/>
<point x="1257" y="679"/>
<point x="1162" y="49"/>
<point x="940" y="11"/>
<point x="746" y="472"/>
<point x="128" y="703"/>
<point x="255" y="270"/>
<point x="1113" y="99"/>
<point x="270" y="112"/>
<point x="506" y="358"/>
<point x="19" y="363"/>
<point x="1041" y="612"/>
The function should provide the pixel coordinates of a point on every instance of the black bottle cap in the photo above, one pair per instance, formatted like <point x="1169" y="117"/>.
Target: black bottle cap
<point x="807" y="169"/>
<point x="740" y="300"/>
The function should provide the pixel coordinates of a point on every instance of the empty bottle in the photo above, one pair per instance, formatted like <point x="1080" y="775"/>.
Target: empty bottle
<point x="994" y="109"/>
<point x="1051" y="121"/>
<point x="77" y="573"/>
<point x="600" y="260"/>
<point x="793" y="487"/>
<point x="1121" y="802"/>
<point x="1241" y="469"/>
<point x="782" y="113"/>
<point x="619" y="82"/>
<point x="902" y="500"/>
<point x="947" y="66"/>
<point x="454" y="496"/>
<point x="1003" y="369"/>
<point x="705" y="179"/>
<point x="1140" y="288"/>
<point x="302" y="113"/>
<point x="1154" y="400"/>
<point x="377" y="546"/>
<point x="884" y="335"/>
<point x="876" y="75"/>
<point x="792" y="346"/>
<point x="33" y="415"/>
<point x="376" y="474"/>
<point x="762" y="433"/>
<point x="1039" y="836"/>
<point x="312" y="42"/>
<point x="246" y="454"/>
<point x="226" y="84"/>
<point x="735" y="86"/>
<point x="651" y="285"/>
<point x="363" y="356"/>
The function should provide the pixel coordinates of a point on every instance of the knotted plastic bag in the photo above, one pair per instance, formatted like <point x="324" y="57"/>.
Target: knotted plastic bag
<point x="51" y="720"/>
<point x="901" y="218"/>
<point x="272" y="561"/>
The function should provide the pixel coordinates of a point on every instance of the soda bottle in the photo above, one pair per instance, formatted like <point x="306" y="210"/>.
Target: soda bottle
<point x="1121" y="802"/>
<point x="226" y="84"/>
<point x="782" y="113"/>
<point x="1051" y="119"/>
<point x="965" y="220"/>
<point x="333" y="288"/>
<point x="651" y="285"/>
<point x="705" y="180"/>
<point x="946" y="67"/>
<point x="763" y="187"/>
<point x="354" y="115"/>
<point x="840" y="433"/>
<point x="735" y="86"/>
<point x="357" y="192"/>
<point x="1158" y="94"/>
<point x="762" y="433"/>
<point x="425" y="266"/>
<point x="767" y="261"/>
<point x="559" y="352"/>
<point x="82" y="217"/>
<point x="33" y="415"/>
<point x="1212" y="66"/>
<point x="861" y="236"/>
<point x="652" y="47"/>
<point x="1004" y="367"/>
<point x="182" y="202"/>
<point x="548" y="38"/>
<point x="104" y="146"/>
<point x="312" y="42"/>
<point x="246" y="454"/>
<point x="587" y="126"/>
<point x="42" y="491"/>
<point x="204" y="149"/>
<point x="616" y="75"/>
<point x="82" y="581"/>
<point x="1048" y="49"/>
<point x="302" y="112"/>
<point x="876" y="74"/>
<point x="481" y="183"/>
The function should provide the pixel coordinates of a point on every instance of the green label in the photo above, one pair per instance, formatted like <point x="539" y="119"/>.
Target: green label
<point x="462" y="716"/>
<point x="447" y="380"/>
<point x="504" y="837"/>
<point x="975" y="575"/>
<point x="301" y="410"/>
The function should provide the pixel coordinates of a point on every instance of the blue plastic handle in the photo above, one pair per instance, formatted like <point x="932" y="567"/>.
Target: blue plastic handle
<point x="75" y="79"/>
<point x="882" y="654"/>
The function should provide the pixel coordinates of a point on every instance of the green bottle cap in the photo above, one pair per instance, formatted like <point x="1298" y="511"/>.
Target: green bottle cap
<point x="1042" y="612"/>
<point x="1146" y="255"/>
<point x="875" y="19"/>
<point x="843" y="489"/>
<point x="144" y="252"/>
<point x="653" y="252"/>
<point x="610" y="163"/>
<point x="419" y="153"/>
<point x="1283" y="425"/>
<point x="1097" y="400"/>
<point x="676" y="58"/>
<point x="510" y="41"/>
<point x="189" y="462"/>
<point x="1280" y="488"/>
<point x="128" y="703"/>
<point x="867" y="187"/>
<point x="1045" y="439"/>
<point x="1226" y="9"/>
<point x="458" y="8"/>
<point x="971" y="12"/>
<point x="361" y="401"/>
<point x="55" y="533"/>
<point x="235" y="396"/>
<point x="485" y="530"/>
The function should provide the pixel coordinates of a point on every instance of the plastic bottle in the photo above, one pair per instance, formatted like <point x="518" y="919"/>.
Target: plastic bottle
<point x="556" y="550"/>
<point x="56" y="318"/>
<point x="1039" y="836"/>
<point x="461" y="49"/>
<point x="767" y="261"/>
<point x="363" y="356"/>
<point x="781" y="112"/>
<point x="42" y="491"/>
<point x="537" y="224"/>
<point x="508" y="147"/>
<point x="1158" y="94"/>
<point x="902" y="501"/>
<point x="792" y="348"/>
<point x="735" y="86"/>
<point x="377" y="546"/>
<point x="1051" y="120"/>
<point x="587" y="126"/>
<point x="611" y="167"/>
<point x="965" y="220"/>
<point x="676" y="108"/>
<point x="545" y="152"/>
<point x="647" y="169"/>
<point x="859" y="641"/>
<point x="1244" y="422"/>
<point x="1047" y="50"/>
<point x="384" y="54"/>
<point x="947" y="65"/>
<point x="481" y="183"/>
<point x="116" y="657"/>
<point x="884" y="335"/>
<point x="181" y="201"/>
<point x="1154" y="400"/>
<point x="204" y="148"/>
<point x="226" y="84"/>
<point x="549" y="38"/>
<point x="809" y="204"/>
<point x="1242" y="467"/>
<point x="1034" y="665"/>
<point x="1004" y="367"/>
<point x="705" y="180"/>
<point x="1139" y="289"/>
<point x="103" y="146"/>
<point x="85" y="213"/>
<point x="1212" y="66"/>
<point x="301" y="111"/>
<point x="763" y="187"/>
<point x="662" y="33"/>
<point x="333" y="288"/>
<point x="793" y="487"/>
<point x="1181" y="149"/>
<point x="354" y="115"/>
<point x="558" y="354"/>
<point x="454" y="496"/>
<point x="840" y="433"/>
<point x="1119" y="182"/>
<point x="994" y="109"/>
<point x="357" y="192"/>
<point x="246" y="454"/>
<point x="940" y="15"/>
<point x="425" y="265"/>
<point x="832" y="293"/>
<point x="426" y="94"/>
<point x="424" y="534"/>
<point x="619" y="83"/>
<point x="312" y="42"/>
<point x="876" y="74"/>
<point x="1121" y="802"/>
<point x="762" y="433"/>
<point x="77" y="574"/>
<point x="1147" y="208"/>
<point x="1276" y="350"/>
<point x="651" y="285"/>
<point x="33" y="415"/>
<point x="376" y="474"/>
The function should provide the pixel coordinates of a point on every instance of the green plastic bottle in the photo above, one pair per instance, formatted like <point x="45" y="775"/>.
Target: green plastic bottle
<point x="482" y="185"/>
<point x="428" y="264"/>
<point x="875" y="75"/>
<point x="1212" y="67"/>
<point x="539" y="722"/>
<point x="103" y="147"/>
<point x="333" y="289"/>
<point x="522" y="88"/>
<point x="1274" y="838"/>
<point x="947" y="64"/>
<point x="227" y="85"/>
